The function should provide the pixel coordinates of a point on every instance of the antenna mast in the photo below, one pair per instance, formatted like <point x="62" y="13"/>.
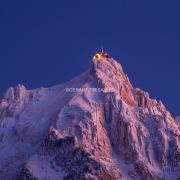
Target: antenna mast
<point x="102" y="50"/>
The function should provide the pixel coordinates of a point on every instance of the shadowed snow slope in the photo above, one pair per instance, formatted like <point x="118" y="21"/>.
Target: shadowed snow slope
<point x="96" y="126"/>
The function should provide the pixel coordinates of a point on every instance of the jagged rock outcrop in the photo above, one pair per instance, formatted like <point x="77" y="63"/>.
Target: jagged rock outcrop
<point x="177" y="120"/>
<point x="96" y="126"/>
<point x="16" y="98"/>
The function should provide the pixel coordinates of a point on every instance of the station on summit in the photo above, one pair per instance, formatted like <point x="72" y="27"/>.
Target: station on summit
<point x="101" y="55"/>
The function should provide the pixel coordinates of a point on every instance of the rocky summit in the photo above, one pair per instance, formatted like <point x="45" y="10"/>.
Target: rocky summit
<point x="95" y="127"/>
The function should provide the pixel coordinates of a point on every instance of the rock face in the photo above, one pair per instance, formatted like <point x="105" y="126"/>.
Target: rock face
<point x="96" y="126"/>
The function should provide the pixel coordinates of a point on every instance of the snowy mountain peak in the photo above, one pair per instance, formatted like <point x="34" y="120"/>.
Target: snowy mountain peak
<point x="110" y="73"/>
<point x="110" y="76"/>
<point x="69" y="132"/>
<point x="105" y="65"/>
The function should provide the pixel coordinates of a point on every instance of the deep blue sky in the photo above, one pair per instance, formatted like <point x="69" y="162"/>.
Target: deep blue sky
<point x="43" y="43"/>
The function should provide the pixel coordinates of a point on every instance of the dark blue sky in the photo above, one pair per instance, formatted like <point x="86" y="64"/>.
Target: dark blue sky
<point x="43" y="43"/>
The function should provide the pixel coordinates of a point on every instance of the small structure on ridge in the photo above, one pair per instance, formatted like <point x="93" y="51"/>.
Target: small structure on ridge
<point x="101" y="55"/>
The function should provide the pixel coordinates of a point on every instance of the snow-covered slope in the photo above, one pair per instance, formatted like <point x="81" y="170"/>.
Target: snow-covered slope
<point x="96" y="126"/>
